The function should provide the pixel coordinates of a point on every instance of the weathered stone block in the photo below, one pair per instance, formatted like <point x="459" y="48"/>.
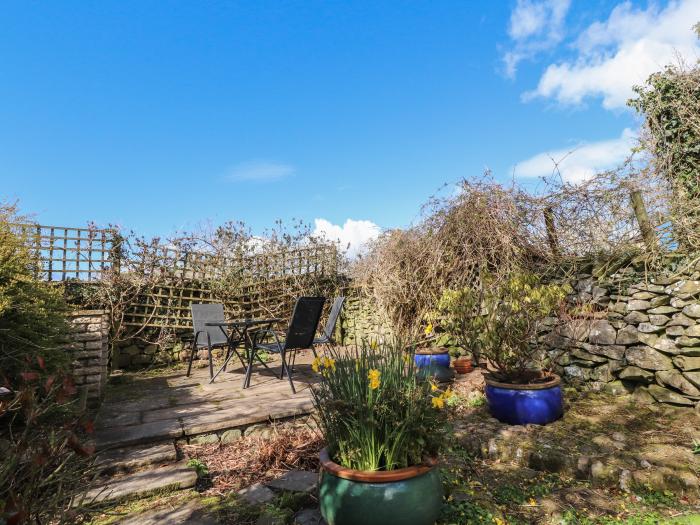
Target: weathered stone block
<point x="688" y="341"/>
<point x="647" y="358"/>
<point x="644" y="296"/>
<point x="636" y="318"/>
<point x="674" y="379"/>
<point x="693" y="331"/>
<point x="611" y="351"/>
<point x="232" y="435"/>
<point x="602" y="333"/>
<point x="627" y="336"/>
<point x="661" y="300"/>
<point x="693" y="377"/>
<point x="649" y="328"/>
<point x="664" y="395"/>
<point x="692" y="310"/>
<point x="684" y="289"/>
<point x="586" y="356"/>
<point x="638" y="305"/>
<point x="675" y="331"/>
<point x="636" y="374"/>
<point x="686" y="363"/>
<point x="662" y="310"/>
<point x="658" y="320"/>
<point x="666" y="345"/>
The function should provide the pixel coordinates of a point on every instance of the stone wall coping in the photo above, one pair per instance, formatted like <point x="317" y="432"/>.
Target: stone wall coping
<point x="81" y="313"/>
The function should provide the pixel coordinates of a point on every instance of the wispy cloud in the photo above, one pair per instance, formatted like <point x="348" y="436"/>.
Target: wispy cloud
<point x="352" y="236"/>
<point x="535" y="26"/>
<point x="580" y="162"/>
<point x="259" y="171"/>
<point x="613" y="55"/>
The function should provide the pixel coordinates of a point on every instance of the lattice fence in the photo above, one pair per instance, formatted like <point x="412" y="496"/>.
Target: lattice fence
<point x="249" y="285"/>
<point x="252" y="286"/>
<point x="80" y="254"/>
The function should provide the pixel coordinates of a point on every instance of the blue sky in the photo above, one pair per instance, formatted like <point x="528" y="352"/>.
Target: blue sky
<point x="160" y="115"/>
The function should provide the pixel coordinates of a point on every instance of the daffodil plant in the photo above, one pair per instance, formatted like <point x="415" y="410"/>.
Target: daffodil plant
<point x="374" y="412"/>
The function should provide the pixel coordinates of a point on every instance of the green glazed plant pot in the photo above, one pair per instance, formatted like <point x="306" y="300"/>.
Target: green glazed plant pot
<point x="409" y="496"/>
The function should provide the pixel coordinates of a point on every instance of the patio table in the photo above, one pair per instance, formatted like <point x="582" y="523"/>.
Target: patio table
<point x="240" y="330"/>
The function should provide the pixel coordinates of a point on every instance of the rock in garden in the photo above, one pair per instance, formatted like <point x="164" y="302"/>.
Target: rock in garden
<point x="636" y="374"/>
<point x="693" y="331"/>
<point x="664" y="395"/>
<point x="619" y="308"/>
<point x="688" y="341"/>
<point x="684" y="289"/>
<point x="602" y="373"/>
<point x="295" y="481"/>
<point x="674" y="379"/>
<point x="662" y="310"/>
<point x="647" y="339"/>
<point x="638" y="305"/>
<point x="576" y="330"/>
<point x="644" y="296"/>
<point x="629" y="335"/>
<point x="686" y="363"/>
<point x="647" y="358"/>
<point x="681" y="319"/>
<point x="675" y="331"/>
<point x="692" y="310"/>
<point x="649" y="328"/>
<point x="611" y="351"/>
<point x="659" y="320"/>
<point x="602" y="333"/>
<point x="693" y="377"/>
<point x="641" y="395"/>
<point x="586" y="356"/>
<point x="666" y="345"/>
<point x="256" y="494"/>
<point x="657" y="286"/>
<point x="676" y="302"/>
<point x="661" y="300"/>
<point x="576" y="372"/>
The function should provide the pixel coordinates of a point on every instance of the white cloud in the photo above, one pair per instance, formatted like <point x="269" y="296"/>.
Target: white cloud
<point x="614" y="55"/>
<point x="353" y="235"/>
<point x="535" y="26"/>
<point x="580" y="162"/>
<point x="261" y="171"/>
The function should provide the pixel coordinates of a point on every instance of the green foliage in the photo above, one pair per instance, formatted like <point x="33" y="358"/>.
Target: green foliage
<point x="696" y="446"/>
<point x="199" y="466"/>
<point x="514" y="310"/>
<point x="32" y="313"/>
<point x="670" y="102"/>
<point x="459" y="314"/>
<point x="373" y="411"/>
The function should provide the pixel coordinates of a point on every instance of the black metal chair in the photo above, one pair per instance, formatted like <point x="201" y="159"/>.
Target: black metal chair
<point x="326" y="337"/>
<point x="300" y="334"/>
<point x="211" y="337"/>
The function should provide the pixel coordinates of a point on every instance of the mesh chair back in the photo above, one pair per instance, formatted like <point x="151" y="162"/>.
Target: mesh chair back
<point x="208" y="313"/>
<point x="333" y="317"/>
<point x="304" y="323"/>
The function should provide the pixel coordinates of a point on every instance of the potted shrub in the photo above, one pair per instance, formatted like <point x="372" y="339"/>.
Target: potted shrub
<point x="519" y="391"/>
<point x="383" y="430"/>
<point x="459" y="311"/>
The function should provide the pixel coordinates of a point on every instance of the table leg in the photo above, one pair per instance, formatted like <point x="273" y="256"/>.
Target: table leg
<point x="250" y="355"/>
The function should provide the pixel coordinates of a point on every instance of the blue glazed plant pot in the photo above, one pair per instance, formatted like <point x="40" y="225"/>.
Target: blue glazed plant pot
<point x="432" y="357"/>
<point x="409" y="496"/>
<point x="537" y="403"/>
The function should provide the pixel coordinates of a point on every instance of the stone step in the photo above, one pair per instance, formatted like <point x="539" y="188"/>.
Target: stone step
<point x="176" y="477"/>
<point x="131" y="458"/>
<point x="190" y="513"/>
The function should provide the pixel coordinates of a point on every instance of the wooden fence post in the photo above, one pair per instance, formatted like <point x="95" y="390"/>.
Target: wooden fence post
<point x="640" y="211"/>
<point x="551" y="231"/>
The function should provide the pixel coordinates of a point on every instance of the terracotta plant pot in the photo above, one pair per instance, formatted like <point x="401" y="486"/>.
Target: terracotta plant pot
<point x="463" y="365"/>
<point x="410" y="496"/>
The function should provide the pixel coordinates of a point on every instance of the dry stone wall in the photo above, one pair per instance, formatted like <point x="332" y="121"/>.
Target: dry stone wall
<point x="643" y="338"/>
<point x="88" y="343"/>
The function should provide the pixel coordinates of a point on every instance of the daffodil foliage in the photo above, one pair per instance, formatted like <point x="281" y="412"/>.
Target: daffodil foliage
<point x="374" y="412"/>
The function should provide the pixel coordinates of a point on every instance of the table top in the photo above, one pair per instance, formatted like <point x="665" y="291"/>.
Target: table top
<point x="243" y="322"/>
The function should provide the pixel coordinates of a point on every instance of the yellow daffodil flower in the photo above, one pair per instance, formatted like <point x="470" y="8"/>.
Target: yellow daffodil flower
<point x="374" y="378"/>
<point x="329" y="363"/>
<point x="429" y="329"/>
<point x="438" y="402"/>
<point x="316" y="365"/>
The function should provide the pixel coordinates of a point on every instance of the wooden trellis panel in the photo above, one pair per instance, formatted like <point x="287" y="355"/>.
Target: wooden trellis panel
<point x="80" y="254"/>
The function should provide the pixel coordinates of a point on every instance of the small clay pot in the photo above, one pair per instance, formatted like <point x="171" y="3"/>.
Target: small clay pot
<point x="463" y="365"/>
